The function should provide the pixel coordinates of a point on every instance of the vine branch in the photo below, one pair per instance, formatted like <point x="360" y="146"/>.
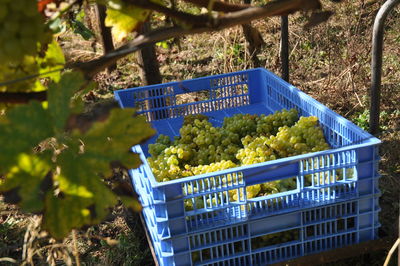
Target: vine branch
<point x="241" y="14"/>
<point x="276" y="8"/>
<point x="219" y="6"/>
<point x="196" y="20"/>
<point x="22" y="97"/>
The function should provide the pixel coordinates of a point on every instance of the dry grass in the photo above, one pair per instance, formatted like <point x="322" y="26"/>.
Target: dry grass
<point x="113" y="242"/>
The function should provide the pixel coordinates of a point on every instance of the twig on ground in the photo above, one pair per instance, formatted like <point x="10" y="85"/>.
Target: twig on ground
<point x="391" y="251"/>
<point x="75" y="248"/>
<point x="6" y="259"/>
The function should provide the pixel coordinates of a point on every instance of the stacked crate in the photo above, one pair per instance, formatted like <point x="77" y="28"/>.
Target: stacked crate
<point x="334" y="204"/>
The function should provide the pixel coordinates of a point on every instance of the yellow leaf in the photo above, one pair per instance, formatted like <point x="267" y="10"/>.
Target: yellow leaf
<point x="72" y="188"/>
<point x="125" y="20"/>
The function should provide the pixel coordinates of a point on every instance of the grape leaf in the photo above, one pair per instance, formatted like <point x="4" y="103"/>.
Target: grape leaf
<point x="60" y="174"/>
<point x="83" y="198"/>
<point x="124" y="20"/>
<point x="83" y="164"/>
<point x="47" y="66"/>
<point x="132" y="203"/>
<point x="9" y="72"/>
<point x="24" y="128"/>
<point x="60" y="94"/>
<point x="30" y="178"/>
<point x="53" y="60"/>
<point x="63" y="213"/>
<point x="110" y="141"/>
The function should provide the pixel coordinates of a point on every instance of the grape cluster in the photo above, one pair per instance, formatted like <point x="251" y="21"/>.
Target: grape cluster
<point x="275" y="238"/>
<point x="189" y="119"/>
<point x="210" y="144"/>
<point x="270" y="124"/>
<point x="21" y="29"/>
<point x="162" y="143"/>
<point x="243" y="139"/>
<point x="256" y="242"/>
<point x="200" y="144"/>
<point x="304" y="137"/>
<point x="213" y="167"/>
<point x="255" y="150"/>
<point x="241" y="124"/>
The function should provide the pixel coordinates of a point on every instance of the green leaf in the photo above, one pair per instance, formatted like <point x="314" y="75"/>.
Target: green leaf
<point x="48" y="65"/>
<point x="87" y="158"/>
<point x="80" y="16"/>
<point x="53" y="60"/>
<point x="59" y="97"/>
<point x="64" y="213"/>
<point x="9" y="72"/>
<point x="163" y="44"/>
<point x="24" y="128"/>
<point x="111" y="140"/>
<point x="83" y="198"/>
<point x="124" y="19"/>
<point x="30" y="178"/>
<point x="61" y="174"/>
<point x="131" y="203"/>
<point x="81" y="29"/>
<point x="75" y="178"/>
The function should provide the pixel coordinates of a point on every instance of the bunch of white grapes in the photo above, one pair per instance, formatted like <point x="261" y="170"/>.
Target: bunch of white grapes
<point x="243" y="139"/>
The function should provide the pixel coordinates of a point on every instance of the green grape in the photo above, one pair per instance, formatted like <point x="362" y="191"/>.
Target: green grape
<point x="13" y="48"/>
<point x="193" y="203"/>
<point x="27" y="32"/>
<point x="241" y="124"/>
<point x="189" y="119"/>
<point x="303" y="137"/>
<point x="160" y="145"/>
<point x="11" y="27"/>
<point x="285" y="184"/>
<point x="243" y="139"/>
<point x="253" y="191"/>
<point x="204" y="169"/>
<point x="163" y="139"/>
<point x="18" y="5"/>
<point x="30" y="12"/>
<point x="255" y="151"/>
<point x="195" y="256"/>
<point x="156" y="149"/>
<point x="269" y="125"/>
<point x="268" y="188"/>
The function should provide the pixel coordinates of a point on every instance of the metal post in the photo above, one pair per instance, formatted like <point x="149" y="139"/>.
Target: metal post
<point x="285" y="47"/>
<point x="376" y="72"/>
<point x="376" y="63"/>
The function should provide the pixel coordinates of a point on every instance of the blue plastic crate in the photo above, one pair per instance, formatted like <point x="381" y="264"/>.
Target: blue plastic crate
<point x="289" y="235"/>
<point x="353" y="157"/>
